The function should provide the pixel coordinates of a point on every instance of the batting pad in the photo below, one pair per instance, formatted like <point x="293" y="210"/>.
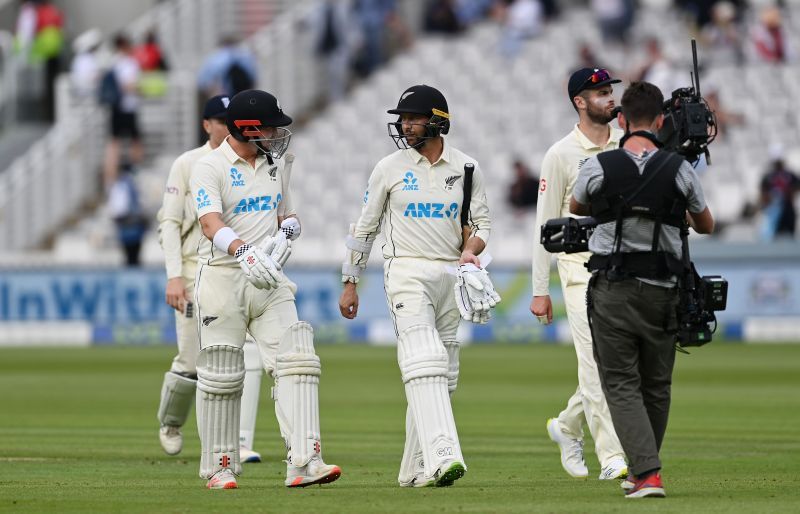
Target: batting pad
<point x="297" y="371"/>
<point x="220" y="378"/>
<point x="250" y="393"/>
<point x="177" y="396"/>
<point x="453" y="349"/>
<point x="424" y="366"/>
<point x="412" y="461"/>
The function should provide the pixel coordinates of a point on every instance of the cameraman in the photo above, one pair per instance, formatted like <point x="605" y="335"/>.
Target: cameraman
<point x="640" y="196"/>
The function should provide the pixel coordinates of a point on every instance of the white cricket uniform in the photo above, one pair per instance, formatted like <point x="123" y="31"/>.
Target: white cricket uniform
<point x="179" y="234"/>
<point x="250" y="201"/>
<point x="559" y="172"/>
<point x="419" y="206"/>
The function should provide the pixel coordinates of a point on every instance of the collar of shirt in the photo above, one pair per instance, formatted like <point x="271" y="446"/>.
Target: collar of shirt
<point x="232" y="156"/>
<point x="614" y="136"/>
<point x="418" y="157"/>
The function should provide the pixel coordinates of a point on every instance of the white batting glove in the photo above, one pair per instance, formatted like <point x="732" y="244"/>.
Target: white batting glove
<point x="492" y="296"/>
<point x="471" y="297"/>
<point x="258" y="267"/>
<point x="279" y="248"/>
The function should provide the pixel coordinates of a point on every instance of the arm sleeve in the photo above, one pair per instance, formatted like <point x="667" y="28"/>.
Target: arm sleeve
<point x="286" y="207"/>
<point x="689" y="184"/>
<point x="479" y="220"/>
<point x="368" y="226"/>
<point x="552" y="187"/>
<point x="205" y="189"/>
<point x="589" y="181"/>
<point x="171" y="220"/>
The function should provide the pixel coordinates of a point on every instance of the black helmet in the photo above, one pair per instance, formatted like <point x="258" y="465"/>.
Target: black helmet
<point x="427" y="101"/>
<point x="252" y="109"/>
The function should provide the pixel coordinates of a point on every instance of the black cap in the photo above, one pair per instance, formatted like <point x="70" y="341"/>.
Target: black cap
<point x="254" y="104"/>
<point x="216" y="107"/>
<point x="421" y="99"/>
<point x="588" y="78"/>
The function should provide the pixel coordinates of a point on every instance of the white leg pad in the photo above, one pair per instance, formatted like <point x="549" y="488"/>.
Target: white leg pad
<point x="424" y="367"/>
<point x="413" y="462"/>
<point x="453" y="349"/>
<point x="177" y="397"/>
<point x="253" y="370"/>
<point x="220" y="378"/>
<point x="297" y="371"/>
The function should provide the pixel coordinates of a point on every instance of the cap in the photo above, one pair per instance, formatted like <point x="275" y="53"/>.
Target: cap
<point x="588" y="78"/>
<point x="216" y="107"/>
<point x="421" y="99"/>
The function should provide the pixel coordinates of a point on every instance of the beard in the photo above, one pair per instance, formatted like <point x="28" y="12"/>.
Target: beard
<point x="601" y="116"/>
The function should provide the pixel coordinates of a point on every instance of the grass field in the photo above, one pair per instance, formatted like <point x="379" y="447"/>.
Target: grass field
<point x="78" y="434"/>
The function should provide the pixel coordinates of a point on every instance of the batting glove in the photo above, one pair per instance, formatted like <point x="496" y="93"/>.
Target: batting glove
<point x="258" y="267"/>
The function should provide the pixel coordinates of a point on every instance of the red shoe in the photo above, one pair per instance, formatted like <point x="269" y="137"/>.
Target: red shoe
<point x="644" y="487"/>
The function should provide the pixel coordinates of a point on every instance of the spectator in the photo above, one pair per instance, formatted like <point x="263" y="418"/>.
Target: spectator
<point x="85" y="70"/>
<point x="332" y="44"/>
<point x="658" y="69"/>
<point x="615" y="19"/>
<point x="778" y="190"/>
<point x="125" y="73"/>
<point x="228" y="70"/>
<point x="374" y="17"/>
<point x="725" y="118"/>
<point x="770" y="39"/>
<point x="126" y="211"/>
<point x="523" y="21"/>
<point x="722" y="36"/>
<point x="524" y="191"/>
<point x="149" y="54"/>
<point x="40" y="38"/>
<point x="441" y="17"/>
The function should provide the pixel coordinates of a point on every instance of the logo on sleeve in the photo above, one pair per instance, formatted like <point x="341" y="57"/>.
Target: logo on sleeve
<point x="202" y="199"/>
<point x="449" y="182"/>
<point x="236" y="178"/>
<point x="410" y="182"/>
<point x="431" y="210"/>
<point x="366" y="195"/>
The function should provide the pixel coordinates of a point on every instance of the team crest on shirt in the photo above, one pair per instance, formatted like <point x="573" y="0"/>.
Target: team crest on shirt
<point x="273" y="173"/>
<point x="236" y="178"/>
<point x="410" y="182"/>
<point x="449" y="182"/>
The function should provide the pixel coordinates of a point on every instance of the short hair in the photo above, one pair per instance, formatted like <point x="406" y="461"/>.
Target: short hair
<point x="642" y="102"/>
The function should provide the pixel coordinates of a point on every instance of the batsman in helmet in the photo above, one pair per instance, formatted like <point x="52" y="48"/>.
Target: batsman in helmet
<point x="246" y="213"/>
<point x="417" y="195"/>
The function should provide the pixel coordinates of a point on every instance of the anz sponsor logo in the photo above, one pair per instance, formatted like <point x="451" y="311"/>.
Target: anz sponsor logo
<point x="257" y="203"/>
<point x="202" y="199"/>
<point x="410" y="182"/>
<point x="366" y="196"/>
<point x="236" y="178"/>
<point x="431" y="210"/>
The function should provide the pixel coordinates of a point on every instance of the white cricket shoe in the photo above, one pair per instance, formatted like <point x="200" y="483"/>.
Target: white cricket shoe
<point x="571" y="450"/>
<point x="315" y="472"/>
<point x="248" y="455"/>
<point x="171" y="439"/>
<point x="418" y="479"/>
<point x="617" y="468"/>
<point x="222" y="479"/>
<point x="448" y="473"/>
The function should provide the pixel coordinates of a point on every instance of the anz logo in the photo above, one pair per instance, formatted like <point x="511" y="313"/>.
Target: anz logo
<point x="236" y="178"/>
<point x="202" y="199"/>
<point x="366" y="196"/>
<point x="410" y="182"/>
<point x="257" y="203"/>
<point x="431" y="210"/>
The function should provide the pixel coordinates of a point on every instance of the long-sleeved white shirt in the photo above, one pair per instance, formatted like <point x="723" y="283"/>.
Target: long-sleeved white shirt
<point x="559" y="172"/>
<point x="418" y="206"/>
<point x="249" y="199"/>
<point x="178" y="230"/>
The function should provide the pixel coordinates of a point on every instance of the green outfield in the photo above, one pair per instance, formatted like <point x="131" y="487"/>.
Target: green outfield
<point x="78" y="434"/>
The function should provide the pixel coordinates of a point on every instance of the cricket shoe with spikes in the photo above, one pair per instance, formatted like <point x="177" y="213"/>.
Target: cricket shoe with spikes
<point x="448" y="473"/>
<point x="315" y="472"/>
<point x="571" y="450"/>
<point x="222" y="479"/>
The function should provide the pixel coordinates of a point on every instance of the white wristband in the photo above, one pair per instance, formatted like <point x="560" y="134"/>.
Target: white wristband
<point x="224" y="237"/>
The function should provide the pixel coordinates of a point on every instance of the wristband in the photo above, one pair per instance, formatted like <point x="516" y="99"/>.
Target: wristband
<point x="224" y="237"/>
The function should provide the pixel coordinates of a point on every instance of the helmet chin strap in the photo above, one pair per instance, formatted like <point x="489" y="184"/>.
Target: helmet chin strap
<point x="263" y="151"/>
